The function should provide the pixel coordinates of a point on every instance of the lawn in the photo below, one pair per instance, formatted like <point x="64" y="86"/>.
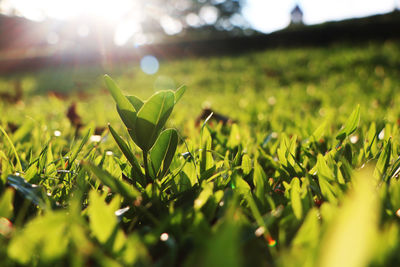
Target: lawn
<point x="304" y="171"/>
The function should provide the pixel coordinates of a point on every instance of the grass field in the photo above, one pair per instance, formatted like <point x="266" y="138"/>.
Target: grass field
<point x="307" y="175"/>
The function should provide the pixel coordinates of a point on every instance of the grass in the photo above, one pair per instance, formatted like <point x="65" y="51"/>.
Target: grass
<point x="286" y="185"/>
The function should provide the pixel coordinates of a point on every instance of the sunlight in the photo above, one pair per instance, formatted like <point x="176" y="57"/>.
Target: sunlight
<point x="66" y="9"/>
<point x="124" y="15"/>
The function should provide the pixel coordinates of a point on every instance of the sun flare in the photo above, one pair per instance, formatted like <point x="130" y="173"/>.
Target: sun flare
<point x="125" y="16"/>
<point x="66" y="9"/>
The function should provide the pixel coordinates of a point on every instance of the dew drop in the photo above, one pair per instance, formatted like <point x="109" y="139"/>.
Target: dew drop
<point x="354" y="139"/>
<point x="398" y="213"/>
<point x="259" y="231"/>
<point x="381" y="134"/>
<point x="95" y="138"/>
<point x="164" y="237"/>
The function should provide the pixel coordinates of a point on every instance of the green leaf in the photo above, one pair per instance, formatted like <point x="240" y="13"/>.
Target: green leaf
<point x="127" y="152"/>
<point x="179" y="93"/>
<point x="45" y="236"/>
<point x="163" y="151"/>
<point x="125" y="108"/>
<point x="207" y="165"/>
<point x="351" y="236"/>
<point x="295" y="198"/>
<point x="203" y="197"/>
<point x="22" y="132"/>
<point x="246" y="164"/>
<point x="136" y="102"/>
<point x="19" y="166"/>
<point x="383" y="161"/>
<point x="77" y="148"/>
<point x="308" y="233"/>
<point x="223" y="249"/>
<point x="327" y="190"/>
<point x="260" y="183"/>
<point x="239" y="184"/>
<point x="6" y="203"/>
<point x="234" y="137"/>
<point x="323" y="169"/>
<point x="152" y="117"/>
<point x="118" y="186"/>
<point x="102" y="219"/>
<point x="50" y="167"/>
<point x="29" y="191"/>
<point x="319" y="132"/>
<point x="351" y="124"/>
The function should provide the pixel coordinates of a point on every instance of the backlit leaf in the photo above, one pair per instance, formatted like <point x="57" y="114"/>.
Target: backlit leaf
<point x="351" y="124"/>
<point x="350" y="239"/>
<point x="179" y="93"/>
<point x="295" y="198"/>
<point x="118" y="186"/>
<point x="6" y="203"/>
<point x="152" y="117"/>
<point x="125" y="108"/>
<point x="163" y="151"/>
<point x="123" y="146"/>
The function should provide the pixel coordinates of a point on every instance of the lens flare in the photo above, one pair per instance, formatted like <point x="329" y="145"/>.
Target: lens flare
<point x="149" y="64"/>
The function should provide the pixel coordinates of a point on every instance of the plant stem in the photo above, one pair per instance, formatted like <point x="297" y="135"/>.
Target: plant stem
<point x="146" y="167"/>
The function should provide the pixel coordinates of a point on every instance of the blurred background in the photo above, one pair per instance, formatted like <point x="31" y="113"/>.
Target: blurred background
<point x="46" y="32"/>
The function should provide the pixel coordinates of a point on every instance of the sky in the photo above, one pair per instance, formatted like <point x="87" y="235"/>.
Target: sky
<point x="270" y="15"/>
<point x="263" y="15"/>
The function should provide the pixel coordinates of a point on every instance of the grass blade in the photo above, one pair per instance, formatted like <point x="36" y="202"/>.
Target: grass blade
<point x="118" y="186"/>
<point x="127" y="152"/>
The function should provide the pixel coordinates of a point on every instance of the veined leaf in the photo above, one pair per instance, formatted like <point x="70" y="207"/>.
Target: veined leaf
<point x="163" y="151"/>
<point x="179" y="93"/>
<point x="136" y="102"/>
<point x="152" y="117"/>
<point x="125" y="108"/>
<point x="351" y="124"/>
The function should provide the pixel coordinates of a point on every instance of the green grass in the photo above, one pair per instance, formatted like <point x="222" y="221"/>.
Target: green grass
<point x="284" y="186"/>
